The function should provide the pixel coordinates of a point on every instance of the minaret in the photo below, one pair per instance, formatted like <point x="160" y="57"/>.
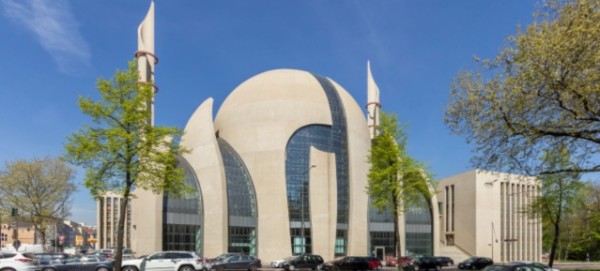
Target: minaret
<point x="373" y="104"/>
<point x="145" y="55"/>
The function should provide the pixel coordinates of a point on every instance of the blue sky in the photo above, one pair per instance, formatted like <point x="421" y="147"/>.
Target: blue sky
<point x="52" y="52"/>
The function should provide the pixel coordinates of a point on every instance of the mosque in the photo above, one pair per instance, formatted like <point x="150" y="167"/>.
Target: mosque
<point x="280" y="170"/>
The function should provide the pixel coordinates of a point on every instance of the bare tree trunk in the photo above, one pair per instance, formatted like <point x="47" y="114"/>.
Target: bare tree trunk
<point x="121" y="225"/>
<point x="556" y="226"/>
<point x="554" y="244"/>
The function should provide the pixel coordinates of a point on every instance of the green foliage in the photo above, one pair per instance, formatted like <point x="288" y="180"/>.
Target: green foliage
<point x="37" y="191"/>
<point x="395" y="178"/>
<point x="558" y="198"/>
<point x="124" y="150"/>
<point x="542" y="91"/>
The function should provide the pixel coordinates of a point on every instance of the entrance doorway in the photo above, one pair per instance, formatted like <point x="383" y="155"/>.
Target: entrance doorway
<point x="380" y="253"/>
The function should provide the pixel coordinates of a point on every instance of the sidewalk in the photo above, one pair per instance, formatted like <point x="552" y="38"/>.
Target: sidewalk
<point x="576" y="265"/>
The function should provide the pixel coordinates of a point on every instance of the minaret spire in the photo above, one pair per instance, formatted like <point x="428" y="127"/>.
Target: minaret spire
<point x="145" y="55"/>
<point x="373" y="105"/>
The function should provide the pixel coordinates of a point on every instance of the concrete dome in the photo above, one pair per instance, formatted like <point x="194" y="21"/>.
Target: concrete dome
<point x="273" y="100"/>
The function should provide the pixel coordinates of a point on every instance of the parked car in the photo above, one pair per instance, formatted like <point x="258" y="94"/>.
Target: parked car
<point x="277" y="263"/>
<point x="345" y="263"/>
<point x="536" y="264"/>
<point x="51" y="257"/>
<point x="304" y="261"/>
<point x="81" y="263"/>
<point x="111" y="252"/>
<point x="165" y="260"/>
<point x="18" y="261"/>
<point x="47" y="259"/>
<point x="220" y="258"/>
<point x="237" y="262"/>
<point x="444" y="261"/>
<point x="394" y="261"/>
<point x="104" y="253"/>
<point x="426" y="263"/>
<point x="516" y="266"/>
<point x="374" y="262"/>
<point x="475" y="263"/>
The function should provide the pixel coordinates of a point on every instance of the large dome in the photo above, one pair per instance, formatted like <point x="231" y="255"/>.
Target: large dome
<point x="289" y="97"/>
<point x="269" y="131"/>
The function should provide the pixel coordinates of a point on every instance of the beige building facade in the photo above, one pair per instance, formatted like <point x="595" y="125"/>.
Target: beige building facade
<point x="483" y="214"/>
<point x="108" y="208"/>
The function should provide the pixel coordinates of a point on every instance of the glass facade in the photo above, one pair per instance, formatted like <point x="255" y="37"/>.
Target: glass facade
<point x="241" y="202"/>
<point x="182" y="216"/>
<point x="419" y="229"/>
<point x="326" y="138"/>
<point x="381" y="232"/>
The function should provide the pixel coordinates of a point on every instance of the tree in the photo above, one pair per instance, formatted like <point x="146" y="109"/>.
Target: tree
<point x="124" y="151"/>
<point x="39" y="189"/>
<point x="540" y="93"/>
<point x="558" y="197"/>
<point x="396" y="180"/>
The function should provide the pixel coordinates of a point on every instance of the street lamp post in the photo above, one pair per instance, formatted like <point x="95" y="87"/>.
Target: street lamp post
<point x="302" y="204"/>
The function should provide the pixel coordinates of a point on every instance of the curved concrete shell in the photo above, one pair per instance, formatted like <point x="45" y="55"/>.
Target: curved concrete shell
<point x="259" y="119"/>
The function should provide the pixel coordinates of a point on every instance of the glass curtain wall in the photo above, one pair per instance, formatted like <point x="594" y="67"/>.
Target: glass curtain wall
<point x="419" y="229"/>
<point x="381" y="233"/>
<point x="182" y="216"/>
<point x="327" y="139"/>
<point x="241" y="202"/>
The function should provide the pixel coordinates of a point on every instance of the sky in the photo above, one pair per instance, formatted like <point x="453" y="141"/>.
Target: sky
<point x="53" y="51"/>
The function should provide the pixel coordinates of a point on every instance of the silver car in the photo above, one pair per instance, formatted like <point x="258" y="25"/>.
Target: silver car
<point x="18" y="261"/>
<point x="166" y="261"/>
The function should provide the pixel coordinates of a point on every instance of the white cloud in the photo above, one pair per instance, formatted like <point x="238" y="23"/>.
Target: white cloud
<point x="55" y="28"/>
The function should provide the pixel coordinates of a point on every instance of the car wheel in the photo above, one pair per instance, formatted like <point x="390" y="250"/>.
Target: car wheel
<point x="129" y="268"/>
<point x="252" y="268"/>
<point x="335" y="268"/>
<point x="7" y="269"/>
<point x="379" y="267"/>
<point x="292" y="268"/>
<point x="102" y="269"/>
<point x="186" y="268"/>
<point x="220" y="268"/>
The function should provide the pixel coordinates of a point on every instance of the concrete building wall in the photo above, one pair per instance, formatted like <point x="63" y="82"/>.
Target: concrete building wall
<point x="108" y="209"/>
<point x="460" y="214"/>
<point x="359" y="146"/>
<point x="146" y="219"/>
<point x="489" y="215"/>
<point x="323" y="196"/>
<point x="205" y="159"/>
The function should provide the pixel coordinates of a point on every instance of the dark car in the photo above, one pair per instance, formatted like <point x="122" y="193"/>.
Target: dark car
<point x="426" y="263"/>
<point x="346" y="263"/>
<point x="475" y="263"/>
<point x="374" y="262"/>
<point x="538" y="265"/>
<point x="81" y="263"/>
<point x="304" y="261"/>
<point x="444" y="261"/>
<point x="513" y="267"/>
<point x="47" y="259"/>
<point x="236" y="261"/>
